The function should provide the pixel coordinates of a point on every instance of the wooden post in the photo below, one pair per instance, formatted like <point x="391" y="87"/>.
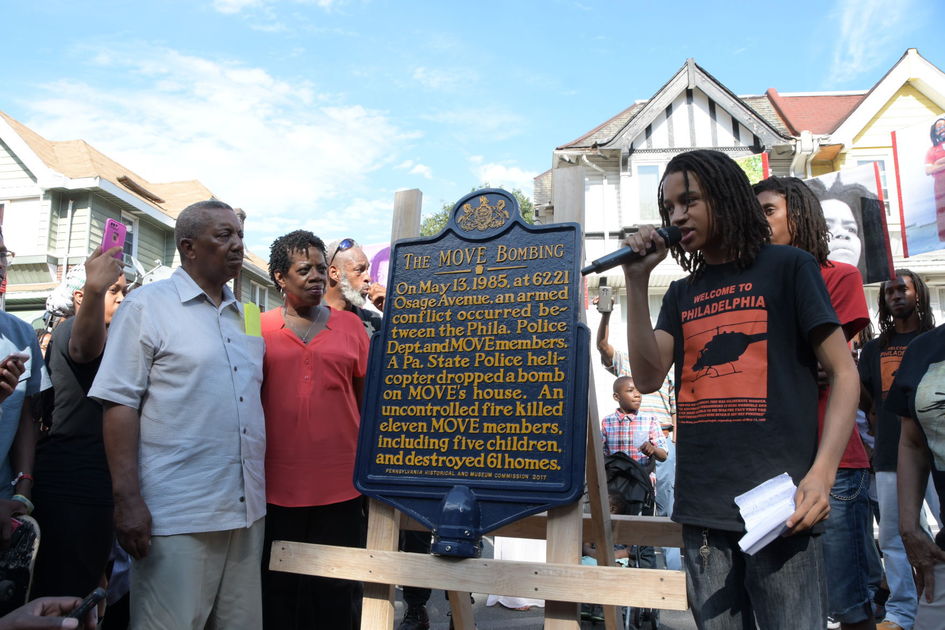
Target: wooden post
<point x="406" y="221"/>
<point x="383" y="534"/>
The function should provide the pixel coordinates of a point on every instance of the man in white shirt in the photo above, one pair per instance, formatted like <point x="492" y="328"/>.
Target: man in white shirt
<point x="185" y="435"/>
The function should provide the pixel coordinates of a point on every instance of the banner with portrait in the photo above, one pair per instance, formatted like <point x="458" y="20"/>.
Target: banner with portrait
<point x="852" y="201"/>
<point x="919" y="153"/>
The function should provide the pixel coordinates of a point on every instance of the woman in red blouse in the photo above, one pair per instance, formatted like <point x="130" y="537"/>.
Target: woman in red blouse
<point x="312" y="389"/>
<point x="935" y="166"/>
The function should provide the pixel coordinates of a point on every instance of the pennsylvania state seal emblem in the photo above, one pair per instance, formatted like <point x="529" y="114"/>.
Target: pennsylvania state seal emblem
<point x="484" y="216"/>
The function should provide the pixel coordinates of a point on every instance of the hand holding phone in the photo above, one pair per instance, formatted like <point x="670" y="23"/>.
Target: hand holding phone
<point x="91" y="601"/>
<point x="605" y="299"/>
<point x="114" y="236"/>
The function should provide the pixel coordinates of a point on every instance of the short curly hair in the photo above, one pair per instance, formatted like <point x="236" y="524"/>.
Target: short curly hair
<point x="281" y="250"/>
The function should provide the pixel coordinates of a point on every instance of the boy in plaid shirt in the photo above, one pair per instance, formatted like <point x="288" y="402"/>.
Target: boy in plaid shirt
<point x="625" y="431"/>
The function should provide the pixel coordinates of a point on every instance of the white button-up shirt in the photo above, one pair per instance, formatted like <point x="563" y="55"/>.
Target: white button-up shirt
<point x="194" y="376"/>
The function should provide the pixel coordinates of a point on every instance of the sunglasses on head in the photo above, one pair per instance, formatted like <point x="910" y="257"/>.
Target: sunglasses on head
<point x="344" y="244"/>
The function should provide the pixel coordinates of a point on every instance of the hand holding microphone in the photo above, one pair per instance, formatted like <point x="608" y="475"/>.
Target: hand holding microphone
<point x="670" y="235"/>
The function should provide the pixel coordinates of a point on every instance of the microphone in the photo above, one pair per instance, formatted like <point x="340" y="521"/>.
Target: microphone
<point x="671" y="236"/>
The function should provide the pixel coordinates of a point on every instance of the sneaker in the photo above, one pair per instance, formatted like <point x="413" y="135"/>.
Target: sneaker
<point x="415" y="619"/>
<point x="886" y="624"/>
<point x="832" y="624"/>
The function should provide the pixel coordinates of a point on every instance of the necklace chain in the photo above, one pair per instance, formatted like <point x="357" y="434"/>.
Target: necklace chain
<point x="305" y="338"/>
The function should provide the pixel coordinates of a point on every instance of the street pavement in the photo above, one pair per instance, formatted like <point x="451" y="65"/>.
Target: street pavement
<point x="498" y="617"/>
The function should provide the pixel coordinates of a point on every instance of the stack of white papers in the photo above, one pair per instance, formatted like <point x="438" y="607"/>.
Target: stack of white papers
<point x="764" y="509"/>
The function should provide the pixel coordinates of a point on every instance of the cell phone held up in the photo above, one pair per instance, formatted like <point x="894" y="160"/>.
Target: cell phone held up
<point x="114" y="236"/>
<point x="91" y="601"/>
<point x="605" y="299"/>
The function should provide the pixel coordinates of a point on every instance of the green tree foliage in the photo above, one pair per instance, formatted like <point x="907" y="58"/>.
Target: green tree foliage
<point x="432" y="223"/>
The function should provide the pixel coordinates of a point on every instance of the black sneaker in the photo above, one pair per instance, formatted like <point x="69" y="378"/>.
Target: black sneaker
<point x="415" y="619"/>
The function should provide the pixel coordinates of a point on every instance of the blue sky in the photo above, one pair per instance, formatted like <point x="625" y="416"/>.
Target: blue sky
<point x="311" y="113"/>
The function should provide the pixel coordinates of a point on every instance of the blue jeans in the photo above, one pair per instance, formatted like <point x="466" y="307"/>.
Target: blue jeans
<point x="848" y="545"/>
<point x="782" y="586"/>
<point x="902" y="603"/>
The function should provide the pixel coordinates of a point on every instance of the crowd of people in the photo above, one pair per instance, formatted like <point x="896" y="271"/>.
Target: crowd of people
<point x="164" y="419"/>
<point x="195" y="432"/>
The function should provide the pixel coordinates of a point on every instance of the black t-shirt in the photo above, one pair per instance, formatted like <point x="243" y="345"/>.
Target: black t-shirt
<point x="70" y="459"/>
<point x="877" y="368"/>
<point x="746" y="393"/>
<point x="918" y="392"/>
<point x="371" y="320"/>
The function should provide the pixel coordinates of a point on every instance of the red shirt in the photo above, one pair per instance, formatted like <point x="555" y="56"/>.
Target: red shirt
<point x="845" y="286"/>
<point x="312" y="415"/>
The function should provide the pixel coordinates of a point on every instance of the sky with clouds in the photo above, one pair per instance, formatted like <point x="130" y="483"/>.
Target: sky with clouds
<point x="312" y="113"/>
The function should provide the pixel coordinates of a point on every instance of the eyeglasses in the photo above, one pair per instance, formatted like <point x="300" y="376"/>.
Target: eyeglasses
<point x="343" y="245"/>
<point x="6" y="256"/>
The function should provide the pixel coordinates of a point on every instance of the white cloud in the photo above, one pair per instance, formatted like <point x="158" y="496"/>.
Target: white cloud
<point x="258" y="141"/>
<point x="505" y="176"/>
<point x="422" y="169"/>
<point x="234" y="6"/>
<point x="237" y="6"/>
<point x="415" y="168"/>
<point x="440" y="79"/>
<point x="473" y="124"/>
<point x="867" y="28"/>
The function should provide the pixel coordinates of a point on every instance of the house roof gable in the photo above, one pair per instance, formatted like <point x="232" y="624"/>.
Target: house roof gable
<point x="819" y="113"/>
<point x="629" y="123"/>
<point x="77" y="159"/>
<point x="912" y="68"/>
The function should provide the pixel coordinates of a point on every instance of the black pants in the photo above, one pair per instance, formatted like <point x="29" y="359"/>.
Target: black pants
<point x="415" y="542"/>
<point x="304" y="602"/>
<point x="75" y="541"/>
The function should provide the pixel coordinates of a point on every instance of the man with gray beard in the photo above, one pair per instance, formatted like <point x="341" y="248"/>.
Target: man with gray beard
<point x="349" y="282"/>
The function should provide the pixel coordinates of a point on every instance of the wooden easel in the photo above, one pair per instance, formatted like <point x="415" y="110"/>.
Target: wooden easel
<point x="562" y="581"/>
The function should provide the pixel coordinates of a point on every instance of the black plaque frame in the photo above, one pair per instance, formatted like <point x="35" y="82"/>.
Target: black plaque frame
<point x="457" y="507"/>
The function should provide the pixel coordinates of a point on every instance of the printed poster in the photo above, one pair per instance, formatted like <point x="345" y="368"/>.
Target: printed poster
<point x="856" y="219"/>
<point x="920" y="173"/>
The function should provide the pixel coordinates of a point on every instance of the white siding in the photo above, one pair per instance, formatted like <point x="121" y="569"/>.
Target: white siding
<point x="26" y="226"/>
<point x="703" y="119"/>
<point x="601" y="199"/>
<point x="13" y="174"/>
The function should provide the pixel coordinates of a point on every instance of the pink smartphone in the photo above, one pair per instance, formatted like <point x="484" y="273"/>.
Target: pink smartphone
<point x="114" y="236"/>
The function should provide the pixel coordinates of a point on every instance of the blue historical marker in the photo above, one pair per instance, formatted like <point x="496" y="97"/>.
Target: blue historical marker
<point x="476" y="406"/>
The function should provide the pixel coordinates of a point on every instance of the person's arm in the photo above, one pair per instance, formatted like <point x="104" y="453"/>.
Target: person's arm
<point x="23" y="451"/>
<point x="88" y="331"/>
<point x="10" y="371"/>
<point x="603" y="345"/>
<point x="912" y="473"/>
<point x="812" y="499"/>
<point x="650" y="351"/>
<point x="121" y="431"/>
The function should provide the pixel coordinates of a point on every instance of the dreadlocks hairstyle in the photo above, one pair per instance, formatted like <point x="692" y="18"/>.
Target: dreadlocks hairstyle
<point x="926" y="320"/>
<point x="282" y="248"/>
<point x="737" y="219"/>
<point x="805" y="216"/>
